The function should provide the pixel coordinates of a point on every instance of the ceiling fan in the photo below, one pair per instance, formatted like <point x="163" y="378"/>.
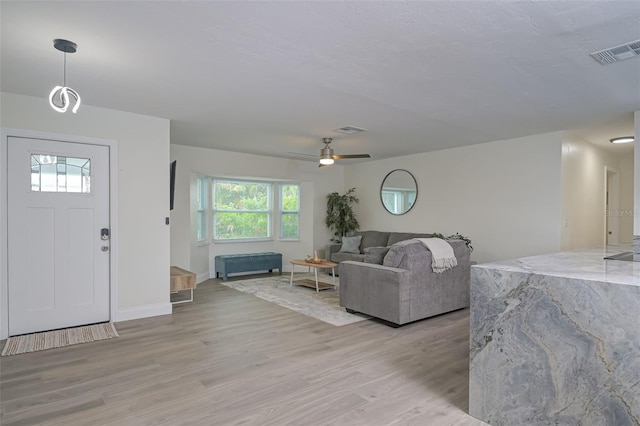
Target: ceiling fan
<point x="327" y="157"/>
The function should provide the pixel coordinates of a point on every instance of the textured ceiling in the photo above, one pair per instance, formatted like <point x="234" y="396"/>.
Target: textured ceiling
<point x="276" y="77"/>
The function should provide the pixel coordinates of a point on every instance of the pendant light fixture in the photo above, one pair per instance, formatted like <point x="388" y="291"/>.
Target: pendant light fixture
<point x="59" y="97"/>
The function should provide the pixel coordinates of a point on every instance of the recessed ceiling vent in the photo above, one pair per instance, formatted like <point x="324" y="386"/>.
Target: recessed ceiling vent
<point x="349" y="130"/>
<point x="618" y="53"/>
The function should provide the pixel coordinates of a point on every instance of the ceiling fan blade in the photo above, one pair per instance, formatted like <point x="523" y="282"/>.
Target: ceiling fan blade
<point x="326" y="153"/>
<point x="338" y="157"/>
<point x="300" y="153"/>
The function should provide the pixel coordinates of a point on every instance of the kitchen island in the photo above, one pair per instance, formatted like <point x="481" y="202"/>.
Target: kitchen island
<point x="555" y="339"/>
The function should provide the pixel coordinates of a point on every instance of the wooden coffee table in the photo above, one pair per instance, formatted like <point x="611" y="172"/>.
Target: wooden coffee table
<point x="310" y="283"/>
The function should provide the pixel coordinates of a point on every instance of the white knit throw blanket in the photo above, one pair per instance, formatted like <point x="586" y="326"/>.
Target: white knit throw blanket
<point x="441" y="253"/>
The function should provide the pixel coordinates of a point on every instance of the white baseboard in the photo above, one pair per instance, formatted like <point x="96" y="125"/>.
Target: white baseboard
<point x="145" y="311"/>
<point x="202" y="277"/>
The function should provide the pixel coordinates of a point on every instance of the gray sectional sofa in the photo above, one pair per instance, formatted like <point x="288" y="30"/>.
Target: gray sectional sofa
<point x="369" y="239"/>
<point x="397" y="284"/>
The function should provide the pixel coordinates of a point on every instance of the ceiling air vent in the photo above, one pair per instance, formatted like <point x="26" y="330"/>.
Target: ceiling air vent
<point x="618" y="53"/>
<point x="349" y="130"/>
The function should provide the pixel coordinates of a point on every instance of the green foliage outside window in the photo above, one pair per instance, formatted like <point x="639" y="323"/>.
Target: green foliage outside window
<point x="242" y="209"/>
<point x="242" y="225"/>
<point x="290" y="207"/>
<point x="290" y="225"/>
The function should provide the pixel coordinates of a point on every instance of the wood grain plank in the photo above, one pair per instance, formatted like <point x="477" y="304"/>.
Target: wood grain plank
<point x="230" y="358"/>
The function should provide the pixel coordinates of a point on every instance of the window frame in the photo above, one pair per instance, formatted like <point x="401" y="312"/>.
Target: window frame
<point x="401" y="200"/>
<point x="283" y="212"/>
<point x="60" y="179"/>
<point x="268" y="212"/>
<point x="202" y="209"/>
<point x="274" y="223"/>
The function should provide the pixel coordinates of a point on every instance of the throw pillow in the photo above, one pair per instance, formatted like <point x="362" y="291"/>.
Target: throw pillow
<point x="351" y="244"/>
<point x="375" y="254"/>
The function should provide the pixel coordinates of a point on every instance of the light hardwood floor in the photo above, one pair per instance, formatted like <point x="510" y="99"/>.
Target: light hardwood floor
<point x="230" y="358"/>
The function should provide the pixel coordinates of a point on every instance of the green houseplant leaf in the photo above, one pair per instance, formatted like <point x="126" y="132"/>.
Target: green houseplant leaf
<point x="340" y="218"/>
<point x="456" y="236"/>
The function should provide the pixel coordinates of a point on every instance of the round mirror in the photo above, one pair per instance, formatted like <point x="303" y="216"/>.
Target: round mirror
<point x="398" y="192"/>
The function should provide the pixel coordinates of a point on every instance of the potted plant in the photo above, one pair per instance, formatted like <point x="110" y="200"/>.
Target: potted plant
<point x="456" y="236"/>
<point x="340" y="216"/>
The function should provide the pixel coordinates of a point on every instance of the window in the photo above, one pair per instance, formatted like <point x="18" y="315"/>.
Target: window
<point x="202" y="204"/>
<point x="51" y="173"/>
<point x="398" y="201"/>
<point x="289" y="211"/>
<point x="229" y="209"/>
<point x="241" y="210"/>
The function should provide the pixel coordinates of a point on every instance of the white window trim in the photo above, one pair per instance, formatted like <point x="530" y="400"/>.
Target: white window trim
<point x="281" y="211"/>
<point x="274" y="223"/>
<point x="206" y="209"/>
<point x="269" y="211"/>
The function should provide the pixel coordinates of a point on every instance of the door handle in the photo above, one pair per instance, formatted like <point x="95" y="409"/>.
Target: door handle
<point x="104" y="248"/>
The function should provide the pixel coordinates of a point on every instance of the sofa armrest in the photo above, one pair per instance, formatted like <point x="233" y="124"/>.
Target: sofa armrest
<point x="330" y="249"/>
<point x="377" y="290"/>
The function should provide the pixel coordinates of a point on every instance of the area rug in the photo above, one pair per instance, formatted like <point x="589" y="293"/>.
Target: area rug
<point x="58" y="338"/>
<point x="324" y="305"/>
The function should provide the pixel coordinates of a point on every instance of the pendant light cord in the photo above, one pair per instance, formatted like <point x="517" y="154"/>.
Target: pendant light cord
<point x="64" y="70"/>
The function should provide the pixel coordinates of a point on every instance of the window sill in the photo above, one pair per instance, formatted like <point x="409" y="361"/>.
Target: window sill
<point x="243" y="240"/>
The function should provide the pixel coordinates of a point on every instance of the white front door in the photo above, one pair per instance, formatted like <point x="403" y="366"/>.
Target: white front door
<point x="58" y="261"/>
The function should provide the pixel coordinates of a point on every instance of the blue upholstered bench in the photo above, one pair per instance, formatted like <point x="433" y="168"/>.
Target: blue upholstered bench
<point x="247" y="262"/>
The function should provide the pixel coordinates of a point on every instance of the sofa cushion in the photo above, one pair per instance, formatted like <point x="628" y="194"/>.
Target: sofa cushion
<point x="341" y="257"/>
<point x="351" y="244"/>
<point x="422" y="236"/>
<point x="396" y="237"/>
<point x="373" y="239"/>
<point x="375" y="254"/>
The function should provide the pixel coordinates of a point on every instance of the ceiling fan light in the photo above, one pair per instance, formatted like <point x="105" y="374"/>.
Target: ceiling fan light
<point x="623" y="139"/>
<point x="326" y="153"/>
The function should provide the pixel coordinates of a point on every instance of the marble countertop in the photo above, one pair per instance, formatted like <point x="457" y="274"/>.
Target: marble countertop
<point x="586" y="264"/>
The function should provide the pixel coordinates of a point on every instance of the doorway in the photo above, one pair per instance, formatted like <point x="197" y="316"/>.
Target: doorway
<point x="612" y="206"/>
<point x="58" y="236"/>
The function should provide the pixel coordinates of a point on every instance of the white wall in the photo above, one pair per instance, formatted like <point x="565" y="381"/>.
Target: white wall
<point x="636" y="190"/>
<point x="504" y="195"/>
<point x="625" y="224"/>
<point x="316" y="184"/>
<point x="583" y="193"/>
<point x="143" y="192"/>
